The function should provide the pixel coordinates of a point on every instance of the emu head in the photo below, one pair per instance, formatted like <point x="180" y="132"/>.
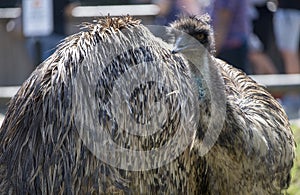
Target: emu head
<point x="197" y="27"/>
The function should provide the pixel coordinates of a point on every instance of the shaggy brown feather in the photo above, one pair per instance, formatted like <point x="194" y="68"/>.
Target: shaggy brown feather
<point x="255" y="150"/>
<point x="42" y="152"/>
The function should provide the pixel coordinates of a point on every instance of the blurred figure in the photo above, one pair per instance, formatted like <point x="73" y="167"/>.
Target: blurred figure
<point x="259" y="60"/>
<point x="170" y="10"/>
<point x="231" y="22"/>
<point x="261" y="63"/>
<point x="263" y="22"/>
<point x="287" y="32"/>
<point x="42" y="47"/>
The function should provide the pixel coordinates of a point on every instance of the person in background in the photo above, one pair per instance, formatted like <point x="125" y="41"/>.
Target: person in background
<point x="259" y="60"/>
<point x="263" y="27"/>
<point x="170" y="10"/>
<point x="230" y="20"/>
<point x="287" y="32"/>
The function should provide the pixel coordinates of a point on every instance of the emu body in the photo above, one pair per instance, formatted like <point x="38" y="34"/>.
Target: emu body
<point x="42" y="150"/>
<point x="70" y="96"/>
<point x="255" y="150"/>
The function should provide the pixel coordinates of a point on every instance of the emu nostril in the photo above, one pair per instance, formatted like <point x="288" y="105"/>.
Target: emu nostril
<point x="174" y="51"/>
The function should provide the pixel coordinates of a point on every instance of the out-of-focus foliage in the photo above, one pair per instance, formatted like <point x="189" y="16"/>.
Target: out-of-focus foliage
<point x="294" y="188"/>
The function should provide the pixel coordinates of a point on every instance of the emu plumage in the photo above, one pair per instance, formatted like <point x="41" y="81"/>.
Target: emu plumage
<point x="42" y="152"/>
<point x="255" y="150"/>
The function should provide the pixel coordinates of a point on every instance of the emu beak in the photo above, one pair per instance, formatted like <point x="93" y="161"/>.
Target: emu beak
<point x="174" y="51"/>
<point x="183" y="43"/>
<point x="178" y="46"/>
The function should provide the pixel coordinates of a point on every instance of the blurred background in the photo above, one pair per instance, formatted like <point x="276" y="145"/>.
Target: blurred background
<point x="260" y="37"/>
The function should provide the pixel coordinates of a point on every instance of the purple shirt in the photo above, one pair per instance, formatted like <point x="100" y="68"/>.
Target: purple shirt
<point x="240" y="23"/>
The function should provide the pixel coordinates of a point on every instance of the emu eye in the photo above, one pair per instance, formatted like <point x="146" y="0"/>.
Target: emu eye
<point x="200" y="37"/>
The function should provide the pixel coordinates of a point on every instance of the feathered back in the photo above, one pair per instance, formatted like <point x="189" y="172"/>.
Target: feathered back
<point x="256" y="139"/>
<point x="256" y="145"/>
<point x="43" y="149"/>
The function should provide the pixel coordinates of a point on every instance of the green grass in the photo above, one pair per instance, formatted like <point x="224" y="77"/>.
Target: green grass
<point x="294" y="188"/>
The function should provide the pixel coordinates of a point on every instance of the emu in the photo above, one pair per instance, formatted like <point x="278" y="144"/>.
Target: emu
<point x="255" y="150"/>
<point x="71" y="95"/>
